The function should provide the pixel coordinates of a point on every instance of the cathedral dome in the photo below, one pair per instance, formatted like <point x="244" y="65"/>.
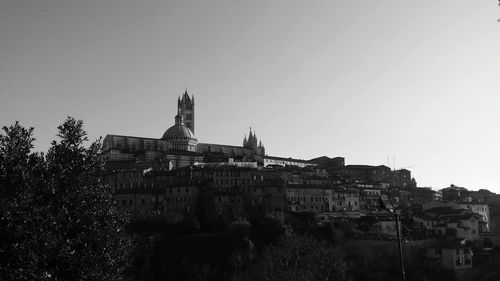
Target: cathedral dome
<point x="179" y="131"/>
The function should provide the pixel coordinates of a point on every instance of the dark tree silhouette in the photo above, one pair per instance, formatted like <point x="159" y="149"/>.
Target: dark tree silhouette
<point x="58" y="221"/>
<point x="294" y="257"/>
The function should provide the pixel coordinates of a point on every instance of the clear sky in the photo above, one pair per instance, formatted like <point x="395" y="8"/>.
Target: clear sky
<point x="417" y="80"/>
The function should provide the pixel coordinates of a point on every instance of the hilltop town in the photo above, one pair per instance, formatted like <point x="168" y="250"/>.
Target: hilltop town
<point x="218" y="187"/>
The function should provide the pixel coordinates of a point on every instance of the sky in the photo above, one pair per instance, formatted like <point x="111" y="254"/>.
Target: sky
<point x="408" y="84"/>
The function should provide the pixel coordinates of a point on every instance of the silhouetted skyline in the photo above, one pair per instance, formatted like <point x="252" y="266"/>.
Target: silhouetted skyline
<point x="364" y="80"/>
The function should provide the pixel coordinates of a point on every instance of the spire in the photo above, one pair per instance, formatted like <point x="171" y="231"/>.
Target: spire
<point x="185" y="96"/>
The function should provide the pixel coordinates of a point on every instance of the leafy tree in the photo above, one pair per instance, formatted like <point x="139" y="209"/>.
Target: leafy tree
<point x="59" y="221"/>
<point x="295" y="257"/>
<point x="18" y="216"/>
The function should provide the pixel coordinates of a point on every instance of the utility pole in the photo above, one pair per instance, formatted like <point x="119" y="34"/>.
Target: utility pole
<point x="401" y="263"/>
<point x="386" y="203"/>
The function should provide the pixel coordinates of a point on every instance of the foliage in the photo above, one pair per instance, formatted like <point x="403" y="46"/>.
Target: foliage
<point x="295" y="257"/>
<point x="58" y="221"/>
<point x="302" y="221"/>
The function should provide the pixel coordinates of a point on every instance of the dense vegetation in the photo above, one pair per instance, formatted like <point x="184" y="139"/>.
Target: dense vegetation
<point x="57" y="221"/>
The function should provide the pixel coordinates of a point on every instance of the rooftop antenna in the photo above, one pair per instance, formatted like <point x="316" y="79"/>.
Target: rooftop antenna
<point x="393" y="163"/>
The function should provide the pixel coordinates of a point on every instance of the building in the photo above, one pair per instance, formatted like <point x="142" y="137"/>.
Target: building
<point x="363" y="173"/>
<point x="346" y="200"/>
<point x="273" y="160"/>
<point x="478" y="208"/>
<point x="329" y="163"/>
<point x="185" y="108"/>
<point x="422" y="195"/>
<point x="454" y="192"/>
<point x="369" y="200"/>
<point x="251" y="150"/>
<point x="385" y="227"/>
<point x="310" y="198"/>
<point x="178" y="146"/>
<point x="402" y="178"/>
<point x="449" y="255"/>
<point x="141" y="203"/>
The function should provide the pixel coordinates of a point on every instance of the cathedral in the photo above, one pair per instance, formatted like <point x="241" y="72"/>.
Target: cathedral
<point x="178" y="146"/>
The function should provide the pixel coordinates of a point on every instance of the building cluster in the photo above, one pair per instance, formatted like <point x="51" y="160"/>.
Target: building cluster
<point x="176" y="177"/>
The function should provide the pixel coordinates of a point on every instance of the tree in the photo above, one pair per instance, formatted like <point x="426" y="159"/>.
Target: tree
<point x="302" y="258"/>
<point x="19" y="222"/>
<point x="62" y="223"/>
<point x="295" y="257"/>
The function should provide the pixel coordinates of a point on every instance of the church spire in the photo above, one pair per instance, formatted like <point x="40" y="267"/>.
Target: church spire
<point x="185" y="107"/>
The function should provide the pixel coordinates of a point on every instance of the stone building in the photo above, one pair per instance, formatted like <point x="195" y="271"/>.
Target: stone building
<point x="178" y="147"/>
<point x="329" y="163"/>
<point x="402" y="178"/>
<point x="311" y="198"/>
<point x="185" y="108"/>
<point x="141" y="202"/>
<point x="346" y="200"/>
<point x="422" y="195"/>
<point x="364" y="173"/>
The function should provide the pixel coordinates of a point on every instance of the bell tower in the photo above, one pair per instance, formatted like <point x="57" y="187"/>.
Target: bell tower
<point x="185" y="107"/>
